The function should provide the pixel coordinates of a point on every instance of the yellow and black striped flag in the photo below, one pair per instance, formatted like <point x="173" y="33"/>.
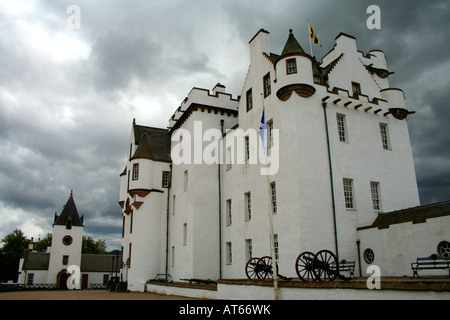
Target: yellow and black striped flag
<point x="313" y="35"/>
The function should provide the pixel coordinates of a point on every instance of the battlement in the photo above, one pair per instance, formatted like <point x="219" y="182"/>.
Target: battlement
<point x="217" y="97"/>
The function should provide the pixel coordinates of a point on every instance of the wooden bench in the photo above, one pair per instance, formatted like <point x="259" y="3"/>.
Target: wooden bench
<point x="348" y="266"/>
<point x="433" y="262"/>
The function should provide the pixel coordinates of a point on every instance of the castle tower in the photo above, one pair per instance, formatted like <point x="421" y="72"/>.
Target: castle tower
<point x="66" y="243"/>
<point x="143" y="198"/>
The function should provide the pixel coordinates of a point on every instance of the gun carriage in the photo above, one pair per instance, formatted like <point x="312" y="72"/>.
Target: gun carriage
<point x="321" y="266"/>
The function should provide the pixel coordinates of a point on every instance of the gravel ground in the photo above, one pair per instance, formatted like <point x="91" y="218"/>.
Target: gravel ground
<point x="86" y="295"/>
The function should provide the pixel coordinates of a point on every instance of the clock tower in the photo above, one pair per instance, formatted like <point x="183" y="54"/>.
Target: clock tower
<point x="66" y="243"/>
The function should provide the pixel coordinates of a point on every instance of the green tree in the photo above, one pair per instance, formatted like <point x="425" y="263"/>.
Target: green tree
<point x="44" y="242"/>
<point x="12" y="249"/>
<point x="89" y="245"/>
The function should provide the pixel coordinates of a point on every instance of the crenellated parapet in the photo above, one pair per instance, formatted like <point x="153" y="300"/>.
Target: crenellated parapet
<point x="216" y="98"/>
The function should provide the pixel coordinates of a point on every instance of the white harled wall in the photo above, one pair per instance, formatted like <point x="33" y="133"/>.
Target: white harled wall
<point x="305" y="216"/>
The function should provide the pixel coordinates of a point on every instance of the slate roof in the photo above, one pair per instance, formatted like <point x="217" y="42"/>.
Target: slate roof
<point x="153" y="143"/>
<point x="69" y="210"/>
<point x="415" y="215"/>
<point x="36" y="261"/>
<point x="89" y="262"/>
<point x="99" y="263"/>
<point x="292" y="46"/>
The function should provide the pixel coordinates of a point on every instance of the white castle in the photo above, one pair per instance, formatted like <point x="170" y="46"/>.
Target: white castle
<point x="196" y="204"/>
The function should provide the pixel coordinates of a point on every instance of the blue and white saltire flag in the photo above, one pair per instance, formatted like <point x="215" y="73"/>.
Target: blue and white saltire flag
<point x="263" y="131"/>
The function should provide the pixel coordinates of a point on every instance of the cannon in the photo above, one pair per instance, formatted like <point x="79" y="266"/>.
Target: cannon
<point x="261" y="269"/>
<point x="321" y="266"/>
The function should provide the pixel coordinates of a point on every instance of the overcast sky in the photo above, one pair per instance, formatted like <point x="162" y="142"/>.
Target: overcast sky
<point x="68" y="96"/>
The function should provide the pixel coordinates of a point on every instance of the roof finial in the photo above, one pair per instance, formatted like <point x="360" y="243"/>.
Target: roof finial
<point x="71" y="192"/>
<point x="290" y="30"/>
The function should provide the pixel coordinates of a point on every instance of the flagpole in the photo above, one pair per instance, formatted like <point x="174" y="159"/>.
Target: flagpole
<point x="270" y="210"/>
<point x="310" y="40"/>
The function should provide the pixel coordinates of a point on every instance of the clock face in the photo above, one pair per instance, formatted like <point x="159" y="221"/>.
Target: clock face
<point x="67" y="240"/>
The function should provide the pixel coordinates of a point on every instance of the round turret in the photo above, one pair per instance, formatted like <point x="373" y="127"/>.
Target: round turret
<point x="397" y="102"/>
<point x="294" y="71"/>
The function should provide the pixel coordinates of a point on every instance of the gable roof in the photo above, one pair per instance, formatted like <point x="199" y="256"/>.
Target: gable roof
<point x="69" y="212"/>
<point x="417" y="214"/>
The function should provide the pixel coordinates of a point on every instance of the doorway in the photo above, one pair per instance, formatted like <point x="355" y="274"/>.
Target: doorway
<point x="61" y="279"/>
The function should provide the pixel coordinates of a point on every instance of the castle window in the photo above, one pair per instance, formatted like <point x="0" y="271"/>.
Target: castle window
<point x="269" y="133"/>
<point x="165" y="179"/>
<point x="348" y="194"/>
<point x="131" y="222"/>
<point x="316" y="79"/>
<point x="273" y="190"/>
<point x="248" y="206"/>
<point x="276" y="247"/>
<point x="340" y="119"/>
<point x="291" y="66"/>
<point x="229" y="161"/>
<point x="135" y="171"/>
<point x="266" y="83"/>
<point x="228" y="208"/>
<point x="248" y="249"/>
<point x="185" y="180"/>
<point x="249" y="96"/>
<point x="173" y="204"/>
<point x="247" y="148"/>
<point x="369" y="256"/>
<point x="443" y="249"/>
<point x="30" y="279"/>
<point x="65" y="260"/>
<point x="69" y="223"/>
<point x="375" y="191"/>
<point x="184" y="234"/>
<point x="385" y="136"/>
<point x="356" y="88"/>
<point x="173" y="256"/>
<point x="229" y="253"/>
<point x="129" y="256"/>
<point x="67" y="240"/>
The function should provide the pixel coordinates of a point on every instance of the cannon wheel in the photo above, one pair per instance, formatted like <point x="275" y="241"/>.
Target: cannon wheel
<point x="251" y="268"/>
<point x="303" y="266"/>
<point x="265" y="268"/>
<point x="324" y="265"/>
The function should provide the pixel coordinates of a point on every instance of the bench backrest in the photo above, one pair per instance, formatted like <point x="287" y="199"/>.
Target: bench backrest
<point x="433" y="257"/>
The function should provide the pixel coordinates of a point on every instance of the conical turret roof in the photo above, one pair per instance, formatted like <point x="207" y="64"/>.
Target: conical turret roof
<point x="69" y="212"/>
<point x="292" y="46"/>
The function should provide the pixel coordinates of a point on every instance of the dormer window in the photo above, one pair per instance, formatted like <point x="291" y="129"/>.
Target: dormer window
<point x="69" y="223"/>
<point x="291" y="66"/>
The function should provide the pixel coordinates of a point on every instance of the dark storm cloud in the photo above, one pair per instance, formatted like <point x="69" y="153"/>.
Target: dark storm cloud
<point x="68" y="97"/>
<point x="118" y="58"/>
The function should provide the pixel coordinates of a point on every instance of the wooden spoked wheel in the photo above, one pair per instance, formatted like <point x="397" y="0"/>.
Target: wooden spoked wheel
<point x="251" y="268"/>
<point x="303" y="266"/>
<point x="265" y="268"/>
<point x="324" y="265"/>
